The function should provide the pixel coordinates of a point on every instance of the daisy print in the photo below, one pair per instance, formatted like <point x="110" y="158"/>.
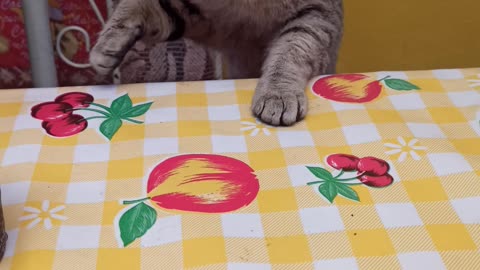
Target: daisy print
<point x="405" y="149"/>
<point x="35" y="216"/>
<point x="255" y="128"/>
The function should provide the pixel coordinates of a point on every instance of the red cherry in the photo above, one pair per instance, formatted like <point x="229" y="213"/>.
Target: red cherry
<point x="76" y="99"/>
<point x="51" y="111"/>
<point x="377" y="181"/>
<point x="343" y="162"/>
<point x="69" y="126"/>
<point x="373" y="166"/>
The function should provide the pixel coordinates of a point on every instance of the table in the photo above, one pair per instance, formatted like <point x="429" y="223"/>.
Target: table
<point x="384" y="174"/>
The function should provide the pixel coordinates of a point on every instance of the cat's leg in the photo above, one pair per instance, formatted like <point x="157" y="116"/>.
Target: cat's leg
<point x="300" y="51"/>
<point x="131" y="21"/>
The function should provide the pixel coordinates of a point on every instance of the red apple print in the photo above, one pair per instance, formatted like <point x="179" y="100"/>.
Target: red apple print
<point x="373" y="166"/>
<point x="343" y="162"/>
<point x="352" y="88"/>
<point x="66" y="127"/>
<point x="377" y="181"/>
<point x="51" y="111"/>
<point x="202" y="183"/>
<point x="76" y="99"/>
<point x="198" y="183"/>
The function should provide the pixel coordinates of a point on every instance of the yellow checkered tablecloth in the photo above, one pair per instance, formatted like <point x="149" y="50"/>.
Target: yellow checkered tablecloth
<point x="180" y="176"/>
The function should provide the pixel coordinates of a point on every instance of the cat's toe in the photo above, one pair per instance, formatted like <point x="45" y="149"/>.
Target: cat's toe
<point x="102" y="63"/>
<point x="111" y="49"/>
<point x="280" y="109"/>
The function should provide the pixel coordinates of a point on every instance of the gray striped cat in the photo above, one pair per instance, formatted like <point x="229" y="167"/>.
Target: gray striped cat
<point x="283" y="42"/>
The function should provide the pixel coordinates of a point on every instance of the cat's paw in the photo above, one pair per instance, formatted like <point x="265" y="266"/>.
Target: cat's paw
<point x="112" y="46"/>
<point x="102" y="63"/>
<point x="280" y="108"/>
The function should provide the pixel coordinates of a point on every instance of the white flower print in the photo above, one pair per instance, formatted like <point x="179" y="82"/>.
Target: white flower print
<point x="255" y="128"/>
<point x="44" y="214"/>
<point x="405" y="149"/>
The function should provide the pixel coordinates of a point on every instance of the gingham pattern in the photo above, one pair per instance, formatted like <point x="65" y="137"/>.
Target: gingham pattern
<point x="429" y="218"/>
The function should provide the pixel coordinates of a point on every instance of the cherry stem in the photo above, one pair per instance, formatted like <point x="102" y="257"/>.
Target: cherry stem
<point x="91" y="118"/>
<point x="384" y="78"/>
<point x="321" y="182"/>
<point x="133" y="121"/>
<point x="353" y="178"/>
<point x="346" y="180"/>
<point x="99" y="105"/>
<point x="95" y="117"/>
<point x="340" y="174"/>
<point x="91" y="110"/>
<point x="341" y="180"/>
<point x="316" y="182"/>
<point x="136" y="201"/>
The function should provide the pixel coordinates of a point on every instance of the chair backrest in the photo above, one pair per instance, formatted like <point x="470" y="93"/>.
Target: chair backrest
<point x="86" y="36"/>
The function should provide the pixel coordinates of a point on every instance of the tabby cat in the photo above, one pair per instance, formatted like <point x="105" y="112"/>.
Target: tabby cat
<point x="283" y="42"/>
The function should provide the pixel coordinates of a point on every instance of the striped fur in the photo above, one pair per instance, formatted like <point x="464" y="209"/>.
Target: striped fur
<point x="284" y="42"/>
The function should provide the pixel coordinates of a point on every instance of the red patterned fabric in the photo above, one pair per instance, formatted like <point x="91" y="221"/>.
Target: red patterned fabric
<point x="14" y="61"/>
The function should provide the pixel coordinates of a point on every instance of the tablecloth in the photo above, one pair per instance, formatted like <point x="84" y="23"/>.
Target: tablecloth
<point x="384" y="173"/>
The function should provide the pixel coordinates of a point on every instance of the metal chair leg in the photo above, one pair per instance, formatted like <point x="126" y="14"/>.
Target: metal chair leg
<point x="40" y="47"/>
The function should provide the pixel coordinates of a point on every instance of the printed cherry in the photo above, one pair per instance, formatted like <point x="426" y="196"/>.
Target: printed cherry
<point x="51" y="111"/>
<point x="343" y="162"/>
<point x="76" y="99"/>
<point x="69" y="126"/>
<point x="377" y="181"/>
<point x="373" y="166"/>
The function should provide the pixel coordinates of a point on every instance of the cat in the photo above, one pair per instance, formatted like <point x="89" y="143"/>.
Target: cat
<point x="284" y="43"/>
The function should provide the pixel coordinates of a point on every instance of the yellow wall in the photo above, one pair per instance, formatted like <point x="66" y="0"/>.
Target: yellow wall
<point x="410" y="35"/>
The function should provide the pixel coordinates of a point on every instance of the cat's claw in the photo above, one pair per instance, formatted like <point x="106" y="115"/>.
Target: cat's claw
<point x="279" y="108"/>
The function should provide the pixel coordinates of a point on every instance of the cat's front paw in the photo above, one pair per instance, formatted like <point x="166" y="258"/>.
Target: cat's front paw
<point x="103" y="63"/>
<point x="279" y="108"/>
<point x="112" y="46"/>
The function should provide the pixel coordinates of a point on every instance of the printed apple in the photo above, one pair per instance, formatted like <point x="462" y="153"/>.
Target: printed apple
<point x="195" y="183"/>
<point x="202" y="183"/>
<point x="357" y="88"/>
<point x="351" y="88"/>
